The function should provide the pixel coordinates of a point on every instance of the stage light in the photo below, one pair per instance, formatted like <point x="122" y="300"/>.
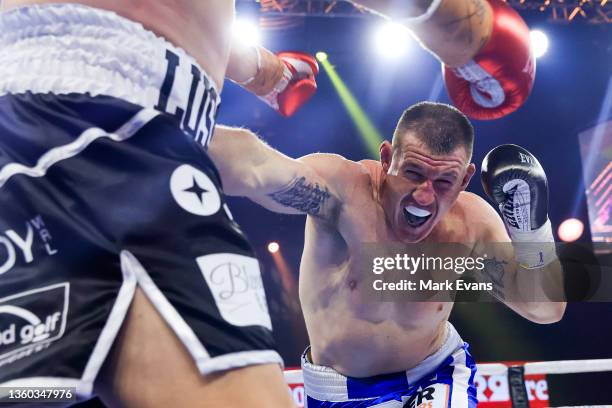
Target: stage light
<point x="247" y="31"/>
<point x="392" y="40"/>
<point x="539" y="43"/>
<point x="570" y="230"/>
<point x="321" y="56"/>
<point x="366" y="129"/>
<point x="273" y="247"/>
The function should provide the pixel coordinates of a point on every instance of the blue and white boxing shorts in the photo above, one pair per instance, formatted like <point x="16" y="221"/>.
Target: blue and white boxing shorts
<point x="444" y="379"/>
<point x="105" y="185"/>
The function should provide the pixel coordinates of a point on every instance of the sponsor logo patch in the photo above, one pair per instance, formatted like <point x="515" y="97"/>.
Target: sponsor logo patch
<point x="30" y="321"/>
<point x="236" y="285"/>
<point x="18" y="245"/>
<point x="492" y="390"/>
<point x="432" y="396"/>
<point x="194" y="191"/>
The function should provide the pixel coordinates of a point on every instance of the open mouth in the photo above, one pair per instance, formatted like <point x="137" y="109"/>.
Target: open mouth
<point x="415" y="217"/>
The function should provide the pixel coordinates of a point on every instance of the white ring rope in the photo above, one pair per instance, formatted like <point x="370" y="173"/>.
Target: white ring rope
<point x="551" y="367"/>
<point x="539" y="367"/>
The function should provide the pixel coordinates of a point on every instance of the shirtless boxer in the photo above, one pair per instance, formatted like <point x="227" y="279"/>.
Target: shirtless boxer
<point x="387" y="354"/>
<point x="383" y="354"/>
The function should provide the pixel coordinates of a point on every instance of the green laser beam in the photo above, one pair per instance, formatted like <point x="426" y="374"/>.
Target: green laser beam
<point x="368" y="132"/>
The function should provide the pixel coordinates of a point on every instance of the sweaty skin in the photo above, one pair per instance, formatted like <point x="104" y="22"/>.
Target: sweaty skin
<point x="357" y="338"/>
<point x="352" y="203"/>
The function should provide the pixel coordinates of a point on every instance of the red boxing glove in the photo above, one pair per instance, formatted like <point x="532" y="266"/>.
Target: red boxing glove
<point x="296" y="86"/>
<point x="500" y="77"/>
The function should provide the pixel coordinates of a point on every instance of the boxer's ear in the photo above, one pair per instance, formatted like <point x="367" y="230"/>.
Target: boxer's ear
<point x="469" y="172"/>
<point x="386" y="154"/>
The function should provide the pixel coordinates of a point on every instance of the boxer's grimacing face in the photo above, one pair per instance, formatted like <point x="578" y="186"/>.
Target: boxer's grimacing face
<point x="420" y="186"/>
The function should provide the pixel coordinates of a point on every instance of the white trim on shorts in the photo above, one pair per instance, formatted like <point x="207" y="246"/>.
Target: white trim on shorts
<point x="73" y="48"/>
<point x="43" y="382"/>
<point x="109" y="333"/>
<point x="67" y="151"/>
<point x="165" y="309"/>
<point x="461" y="377"/>
<point x="326" y="384"/>
<point x="205" y="363"/>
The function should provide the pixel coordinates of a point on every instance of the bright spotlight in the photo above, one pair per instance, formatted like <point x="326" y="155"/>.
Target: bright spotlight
<point x="321" y="56"/>
<point x="539" y="43"/>
<point x="570" y="230"/>
<point x="392" y="40"/>
<point x="273" y="247"/>
<point x="247" y="31"/>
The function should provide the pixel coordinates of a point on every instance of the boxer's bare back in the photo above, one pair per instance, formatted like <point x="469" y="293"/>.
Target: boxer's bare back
<point x="202" y="28"/>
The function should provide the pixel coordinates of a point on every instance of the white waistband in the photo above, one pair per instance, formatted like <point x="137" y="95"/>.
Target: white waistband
<point x="326" y="384"/>
<point x="71" y="48"/>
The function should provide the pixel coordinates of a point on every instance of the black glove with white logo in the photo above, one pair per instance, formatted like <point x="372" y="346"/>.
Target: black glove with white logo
<point x="514" y="179"/>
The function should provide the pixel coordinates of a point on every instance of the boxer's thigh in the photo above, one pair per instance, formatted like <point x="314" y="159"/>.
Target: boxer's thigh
<point x="150" y="367"/>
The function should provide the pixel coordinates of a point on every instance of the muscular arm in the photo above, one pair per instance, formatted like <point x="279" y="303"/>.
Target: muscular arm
<point x="526" y="291"/>
<point x="454" y="33"/>
<point x="252" y="169"/>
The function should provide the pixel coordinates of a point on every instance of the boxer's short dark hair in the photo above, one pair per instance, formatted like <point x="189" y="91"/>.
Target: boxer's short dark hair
<point x="443" y="128"/>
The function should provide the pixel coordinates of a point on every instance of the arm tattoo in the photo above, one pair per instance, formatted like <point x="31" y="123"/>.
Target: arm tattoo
<point x="303" y="196"/>
<point x="494" y="272"/>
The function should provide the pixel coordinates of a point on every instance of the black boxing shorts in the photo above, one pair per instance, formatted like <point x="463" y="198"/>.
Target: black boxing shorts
<point x="105" y="186"/>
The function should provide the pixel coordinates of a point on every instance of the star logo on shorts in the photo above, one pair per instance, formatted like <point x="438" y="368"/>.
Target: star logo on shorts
<point x="197" y="190"/>
<point x="194" y="191"/>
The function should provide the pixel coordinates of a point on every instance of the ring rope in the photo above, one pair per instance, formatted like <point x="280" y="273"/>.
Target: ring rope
<point x="539" y="367"/>
<point x="550" y="367"/>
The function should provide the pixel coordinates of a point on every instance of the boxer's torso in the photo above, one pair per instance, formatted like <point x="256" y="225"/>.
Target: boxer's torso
<point x="353" y="336"/>
<point x="200" y="27"/>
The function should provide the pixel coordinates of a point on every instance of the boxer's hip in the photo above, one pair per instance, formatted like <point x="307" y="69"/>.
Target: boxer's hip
<point x="64" y="49"/>
<point x="443" y="378"/>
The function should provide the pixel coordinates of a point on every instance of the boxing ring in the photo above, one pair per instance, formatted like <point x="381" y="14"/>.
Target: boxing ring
<point x="516" y="384"/>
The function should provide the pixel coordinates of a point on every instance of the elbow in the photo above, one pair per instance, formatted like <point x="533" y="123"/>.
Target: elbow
<point x="546" y="312"/>
<point x="234" y="153"/>
<point x="245" y="184"/>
